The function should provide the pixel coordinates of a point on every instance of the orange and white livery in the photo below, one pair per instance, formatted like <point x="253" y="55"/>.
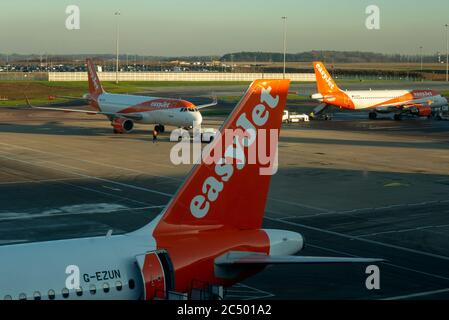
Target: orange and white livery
<point x="124" y="110"/>
<point x="400" y="102"/>
<point x="210" y="233"/>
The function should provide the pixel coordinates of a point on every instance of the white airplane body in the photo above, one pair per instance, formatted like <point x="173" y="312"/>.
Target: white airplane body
<point x="124" y="110"/>
<point x="415" y="102"/>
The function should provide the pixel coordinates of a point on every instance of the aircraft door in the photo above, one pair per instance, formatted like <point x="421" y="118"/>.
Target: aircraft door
<point x="157" y="274"/>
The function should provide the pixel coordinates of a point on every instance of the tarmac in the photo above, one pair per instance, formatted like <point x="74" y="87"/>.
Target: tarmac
<point x="352" y="186"/>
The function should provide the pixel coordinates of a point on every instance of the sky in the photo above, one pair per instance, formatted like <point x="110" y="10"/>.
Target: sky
<point x="216" y="27"/>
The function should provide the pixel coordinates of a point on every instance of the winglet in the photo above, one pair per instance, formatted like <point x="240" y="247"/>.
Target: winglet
<point x="212" y="104"/>
<point x="28" y="101"/>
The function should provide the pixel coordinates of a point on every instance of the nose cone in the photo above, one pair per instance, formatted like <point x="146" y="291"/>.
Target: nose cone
<point x="284" y="243"/>
<point x="197" y="118"/>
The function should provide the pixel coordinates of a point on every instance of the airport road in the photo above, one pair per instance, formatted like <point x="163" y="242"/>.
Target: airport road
<point x="353" y="187"/>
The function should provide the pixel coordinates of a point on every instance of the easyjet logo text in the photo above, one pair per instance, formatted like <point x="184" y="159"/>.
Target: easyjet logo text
<point x="325" y="77"/>
<point x="233" y="159"/>
<point x="160" y="105"/>
<point x="422" y="94"/>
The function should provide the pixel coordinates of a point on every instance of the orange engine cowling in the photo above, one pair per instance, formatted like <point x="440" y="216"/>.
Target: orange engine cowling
<point x="121" y="125"/>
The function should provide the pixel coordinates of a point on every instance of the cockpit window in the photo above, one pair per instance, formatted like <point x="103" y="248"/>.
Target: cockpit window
<point x="189" y="110"/>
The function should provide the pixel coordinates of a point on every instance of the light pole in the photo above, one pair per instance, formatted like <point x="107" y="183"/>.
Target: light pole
<point x="447" y="52"/>
<point x="117" y="14"/>
<point x="285" y="44"/>
<point x="7" y="67"/>
<point x="421" y="54"/>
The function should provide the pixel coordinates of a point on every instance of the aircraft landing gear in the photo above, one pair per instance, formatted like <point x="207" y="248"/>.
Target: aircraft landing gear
<point x="159" y="128"/>
<point x="373" y="115"/>
<point x="398" y="117"/>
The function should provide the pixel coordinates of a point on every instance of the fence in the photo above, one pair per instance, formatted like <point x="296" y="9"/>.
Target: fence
<point x="187" y="76"/>
<point x="179" y="76"/>
<point x="23" y="76"/>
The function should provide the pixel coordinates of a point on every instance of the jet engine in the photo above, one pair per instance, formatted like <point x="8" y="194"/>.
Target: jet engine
<point x="121" y="125"/>
<point x="421" y="111"/>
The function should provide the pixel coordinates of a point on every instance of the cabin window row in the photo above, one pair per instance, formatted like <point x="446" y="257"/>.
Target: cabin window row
<point x="79" y="292"/>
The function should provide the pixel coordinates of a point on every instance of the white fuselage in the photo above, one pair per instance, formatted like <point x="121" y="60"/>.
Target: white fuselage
<point x="151" y="110"/>
<point x="392" y="98"/>
<point x="27" y="270"/>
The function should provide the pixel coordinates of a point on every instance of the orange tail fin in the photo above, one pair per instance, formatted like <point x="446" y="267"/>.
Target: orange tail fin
<point x="95" y="88"/>
<point x="325" y="83"/>
<point x="229" y="193"/>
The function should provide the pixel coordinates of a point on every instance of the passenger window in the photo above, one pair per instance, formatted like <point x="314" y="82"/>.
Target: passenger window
<point x="118" y="285"/>
<point x="131" y="284"/>
<point x="106" y="287"/>
<point x="22" y="296"/>
<point x="37" y="295"/>
<point x="7" y="297"/>
<point x="79" y="292"/>
<point x="93" y="289"/>
<point x="65" y="293"/>
<point x="51" y="294"/>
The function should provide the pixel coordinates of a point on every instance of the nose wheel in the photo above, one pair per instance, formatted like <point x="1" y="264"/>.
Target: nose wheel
<point x="159" y="128"/>
<point x="373" y="115"/>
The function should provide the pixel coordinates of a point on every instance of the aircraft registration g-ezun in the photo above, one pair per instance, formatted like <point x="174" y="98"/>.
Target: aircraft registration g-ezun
<point x="210" y="232"/>
<point x="400" y="102"/>
<point x="124" y="110"/>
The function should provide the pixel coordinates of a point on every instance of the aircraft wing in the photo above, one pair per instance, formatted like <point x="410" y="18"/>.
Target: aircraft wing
<point x="132" y="116"/>
<point x="73" y="110"/>
<point x="251" y="258"/>
<point x="214" y="103"/>
<point x="409" y="104"/>
<point x="73" y="98"/>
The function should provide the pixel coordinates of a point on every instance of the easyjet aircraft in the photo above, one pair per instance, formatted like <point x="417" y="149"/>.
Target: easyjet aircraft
<point x="400" y="102"/>
<point x="209" y="233"/>
<point x="123" y="110"/>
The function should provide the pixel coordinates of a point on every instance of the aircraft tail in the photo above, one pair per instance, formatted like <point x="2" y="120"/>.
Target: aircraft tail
<point x="325" y="83"/>
<point x="95" y="87"/>
<point x="229" y="188"/>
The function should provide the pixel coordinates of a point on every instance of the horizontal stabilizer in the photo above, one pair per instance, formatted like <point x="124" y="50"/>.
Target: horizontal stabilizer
<point x="249" y="258"/>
